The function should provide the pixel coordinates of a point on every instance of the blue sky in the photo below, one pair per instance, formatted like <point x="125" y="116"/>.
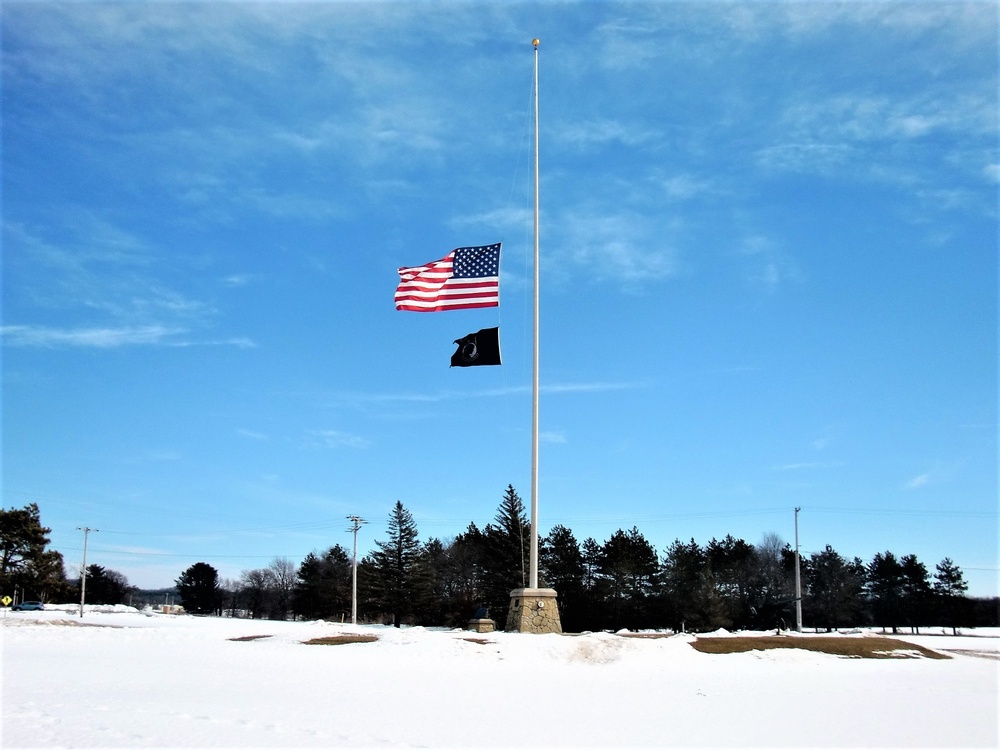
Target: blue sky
<point x="769" y="273"/>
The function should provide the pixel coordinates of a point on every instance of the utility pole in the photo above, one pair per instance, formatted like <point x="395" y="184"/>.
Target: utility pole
<point x="356" y="522"/>
<point x="83" y="570"/>
<point x="798" y="578"/>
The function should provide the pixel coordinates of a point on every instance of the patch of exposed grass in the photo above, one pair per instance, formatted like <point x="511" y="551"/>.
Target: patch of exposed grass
<point x="340" y="640"/>
<point x="245" y="638"/>
<point x="859" y="648"/>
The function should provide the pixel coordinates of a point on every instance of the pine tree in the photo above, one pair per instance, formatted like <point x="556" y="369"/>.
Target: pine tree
<point x="738" y="578"/>
<point x="106" y="586"/>
<point x="629" y="565"/>
<point x="949" y="579"/>
<point x="396" y="583"/>
<point x="833" y="589"/>
<point x="465" y="577"/>
<point x="323" y="585"/>
<point x="885" y="590"/>
<point x="690" y="599"/>
<point x="561" y="562"/>
<point x="591" y="551"/>
<point x="25" y="563"/>
<point x="949" y="588"/>
<point x="198" y="588"/>
<point x="596" y="610"/>
<point x="432" y="600"/>
<point x="916" y="591"/>
<point x="507" y="548"/>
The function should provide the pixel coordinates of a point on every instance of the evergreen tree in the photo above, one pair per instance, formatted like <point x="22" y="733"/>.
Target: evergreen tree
<point x="596" y="590"/>
<point x="323" y="585"/>
<point x="107" y="586"/>
<point x="833" y="589"/>
<point x="198" y="589"/>
<point x="916" y="591"/>
<point x="464" y="574"/>
<point x="690" y="599"/>
<point x="25" y="563"/>
<point x="561" y="562"/>
<point x="884" y="588"/>
<point x="629" y="565"/>
<point x="396" y="584"/>
<point x="431" y="600"/>
<point x="591" y="554"/>
<point x="949" y="579"/>
<point x="738" y="579"/>
<point x="507" y="544"/>
<point x="949" y="589"/>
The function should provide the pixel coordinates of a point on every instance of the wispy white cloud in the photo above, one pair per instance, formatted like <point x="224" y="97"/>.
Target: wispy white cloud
<point x="686" y="186"/>
<point x="862" y="118"/>
<point x="99" y="338"/>
<point x="817" y="157"/>
<point x="805" y="465"/>
<point x="337" y="439"/>
<point x="961" y="23"/>
<point x="506" y="218"/>
<point x="600" y="132"/>
<point x="253" y="434"/>
<point x="108" y="278"/>
<point x="166" y="455"/>
<point x="107" y="337"/>
<point x="240" y="342"/>
<point x="766" y="264"/>
<point x="884" y="139"/>
<point x="626" y="247"/>
<point x="551" y="389"/>
<point x="598" y="387"/>
<point x="918" y="481"/>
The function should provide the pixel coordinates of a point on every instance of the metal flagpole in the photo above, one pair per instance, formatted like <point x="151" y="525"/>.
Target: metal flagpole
<point x="534" y="609"/>
<point x="533" y="574"/>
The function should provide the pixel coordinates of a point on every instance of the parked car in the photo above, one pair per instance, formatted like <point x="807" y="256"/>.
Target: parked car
<point x="28" y="606"/>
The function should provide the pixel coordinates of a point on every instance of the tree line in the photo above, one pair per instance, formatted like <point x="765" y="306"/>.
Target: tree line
<point x="620" y="583"/>
<point x="623" y="582"/>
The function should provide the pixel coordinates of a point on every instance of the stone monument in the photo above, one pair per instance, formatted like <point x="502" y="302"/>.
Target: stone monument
<point x="533" y="611"/>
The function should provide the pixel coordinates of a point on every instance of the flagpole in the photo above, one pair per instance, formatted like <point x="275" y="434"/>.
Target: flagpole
<point x="533" y="609"/>
<point x="533" y="572"/>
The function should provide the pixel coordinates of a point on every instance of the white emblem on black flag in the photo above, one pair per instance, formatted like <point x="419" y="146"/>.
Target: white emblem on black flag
<point x="480" y="348"/>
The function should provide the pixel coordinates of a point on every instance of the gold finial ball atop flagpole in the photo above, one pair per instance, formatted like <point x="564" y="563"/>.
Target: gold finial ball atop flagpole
<point x="534" y="42"/>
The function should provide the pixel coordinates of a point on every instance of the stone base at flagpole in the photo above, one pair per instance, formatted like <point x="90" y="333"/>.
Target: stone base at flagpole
<point x="533" y="611"/>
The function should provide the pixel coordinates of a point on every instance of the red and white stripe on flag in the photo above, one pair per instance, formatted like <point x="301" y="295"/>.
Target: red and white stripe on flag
<point x="439" y="285"/>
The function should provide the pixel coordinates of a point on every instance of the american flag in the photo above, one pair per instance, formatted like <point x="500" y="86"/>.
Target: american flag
<point x="465" y="278"/>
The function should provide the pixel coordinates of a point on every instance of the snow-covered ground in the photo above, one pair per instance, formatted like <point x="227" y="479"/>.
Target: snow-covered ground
<point x="125" y="679"/>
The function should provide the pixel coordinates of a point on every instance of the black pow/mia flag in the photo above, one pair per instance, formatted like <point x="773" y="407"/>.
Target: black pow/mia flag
<point x="480" y="348"/>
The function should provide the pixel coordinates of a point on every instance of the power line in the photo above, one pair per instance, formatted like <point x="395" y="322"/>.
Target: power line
<point x="140" y="553"/>
<point x="907" y="512"/>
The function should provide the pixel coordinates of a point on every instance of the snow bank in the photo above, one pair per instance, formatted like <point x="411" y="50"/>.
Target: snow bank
<point x="133" y="680"/>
